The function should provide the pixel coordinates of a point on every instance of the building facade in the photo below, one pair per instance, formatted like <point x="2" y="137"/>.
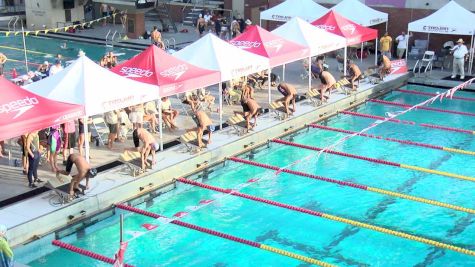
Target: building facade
<point x="53" y="13"/>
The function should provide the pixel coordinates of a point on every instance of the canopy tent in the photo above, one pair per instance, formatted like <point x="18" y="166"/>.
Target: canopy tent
<point x="317" y="40"/>
<point x="278" y="50"/>
<point x="306" y="9"/>
<point x="353" y="33"/>
<point x="304" y="33"/>
<point x="22" y="111"/>
<point x="450" y="19"/>
<point x="360" y="13"/>
<point x="167" y="73"/>
<point x="97" y="89"/>
<point x="212" y="53"/>
<point x="172" y="75"/>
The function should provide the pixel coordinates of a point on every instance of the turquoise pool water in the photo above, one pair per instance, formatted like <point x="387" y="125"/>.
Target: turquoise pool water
<point x="41" y="49"/>
<point x="330" y="241"/>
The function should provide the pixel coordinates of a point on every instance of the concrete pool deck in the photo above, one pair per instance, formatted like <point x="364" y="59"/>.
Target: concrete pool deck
<point x="36" y="217"/>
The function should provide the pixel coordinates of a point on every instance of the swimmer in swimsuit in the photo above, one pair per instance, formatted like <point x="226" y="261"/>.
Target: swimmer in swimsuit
<point x="290" y="94"/>
<point x="54" y="141"/>
<point x="328" y="81"/>
<point x="200" y="25"/>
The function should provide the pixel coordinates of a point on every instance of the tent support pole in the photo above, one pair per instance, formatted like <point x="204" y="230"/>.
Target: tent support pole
<point x="160" y="122"/>
<point x="309" y="72"/>
<point x="470" y="59"/>
<point x="407" y="43"/>
<point x="269" y="84"/>
<point x="220" y="87"/>
<point x="86" y="139"/>
<point x="386" y="26"/>
<point x="361" y="54"/>
<point x="24" y="45"/>
<point x="376" y="51"/>
<point x="345" y="59"/>
<point x="283" y="73"/>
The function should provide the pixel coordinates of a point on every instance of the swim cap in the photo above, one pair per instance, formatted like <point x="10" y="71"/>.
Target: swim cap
<point x="135" y="136"/>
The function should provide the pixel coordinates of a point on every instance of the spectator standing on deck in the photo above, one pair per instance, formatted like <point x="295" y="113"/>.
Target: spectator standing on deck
<point x="6" y="253"/>
<point x="34" y="156"/>
<point x="402" y="41"/>
<point x="111" y="118"/>
<point x="459" y="51"/>
<point x="386" y="42"/>
<point x="3" y="60"/>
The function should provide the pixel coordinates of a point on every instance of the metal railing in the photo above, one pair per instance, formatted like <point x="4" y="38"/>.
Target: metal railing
<point x="12" y="23"/>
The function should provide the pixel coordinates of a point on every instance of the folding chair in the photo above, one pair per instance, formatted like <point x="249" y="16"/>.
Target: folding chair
<point x="238" y="122"/>
<point x="100" y="126"/>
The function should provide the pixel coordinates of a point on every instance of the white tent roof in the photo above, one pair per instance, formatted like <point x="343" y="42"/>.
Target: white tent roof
<point x="360" y="13"/>
<point x="450" y="19"/>
<point x="212" y="53"/>
<point x="305" y="9"/>
<point x="319" y="41"/>
<point x="97" y="89"/>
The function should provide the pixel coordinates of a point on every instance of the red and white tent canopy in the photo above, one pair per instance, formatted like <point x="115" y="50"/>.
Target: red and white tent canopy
<point x="278" y="50"/>
<point x="303" y="33"/>
<point x="172" y="75"/>
<point x="22" y="111"/>
<point x="354" y="33"/>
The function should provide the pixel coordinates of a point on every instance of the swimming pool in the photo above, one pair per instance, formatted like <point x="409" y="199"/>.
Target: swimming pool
<point x="324" y="239"/>
<point x="42" y="48"/>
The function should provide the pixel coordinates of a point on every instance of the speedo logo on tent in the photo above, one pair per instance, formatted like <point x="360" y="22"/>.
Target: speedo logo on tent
<point x="246" y="44"/>
<point x="326" y="27"/>
<point x="135" y="72"/>
<point x="20" y="106"/>
<point x="349" y="28"/>
<point x="277" y="44"/>
<point x="176" y="71"/>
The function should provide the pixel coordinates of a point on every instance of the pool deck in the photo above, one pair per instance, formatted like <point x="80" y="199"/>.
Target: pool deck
<point x="36" y="217"/>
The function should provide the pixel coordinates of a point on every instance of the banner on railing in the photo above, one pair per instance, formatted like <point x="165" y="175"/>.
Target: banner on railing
<point x="398" y="66"/>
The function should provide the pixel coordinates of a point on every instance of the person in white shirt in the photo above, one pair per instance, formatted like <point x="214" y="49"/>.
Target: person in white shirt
<point x="401" y="44"/>
<point x="55" y="68"/>
<point x="459" y="51"/>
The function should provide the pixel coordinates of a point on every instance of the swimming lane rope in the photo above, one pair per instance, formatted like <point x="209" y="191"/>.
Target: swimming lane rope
<point x="379" y="161"/>
<point x="333" y="218"/>
<point x="384" y="102"/>
<point x="355" y="185"/>
<point x="432" y="94"/>
<point x="86" y="253"/>
<point x="406" y="142"/>
<point x="227" y="236"/>
<point x="445" y="128"/>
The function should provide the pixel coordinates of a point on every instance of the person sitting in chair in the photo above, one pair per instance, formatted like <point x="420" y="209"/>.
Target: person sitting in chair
<point x="354" y="74"/>
<point x="84" y="171"/>
<point x="169" y="114"/>
<point x="290" y="94"/>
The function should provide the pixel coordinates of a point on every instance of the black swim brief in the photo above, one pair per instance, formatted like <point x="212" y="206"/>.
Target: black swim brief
<point x="69" y="164"/>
